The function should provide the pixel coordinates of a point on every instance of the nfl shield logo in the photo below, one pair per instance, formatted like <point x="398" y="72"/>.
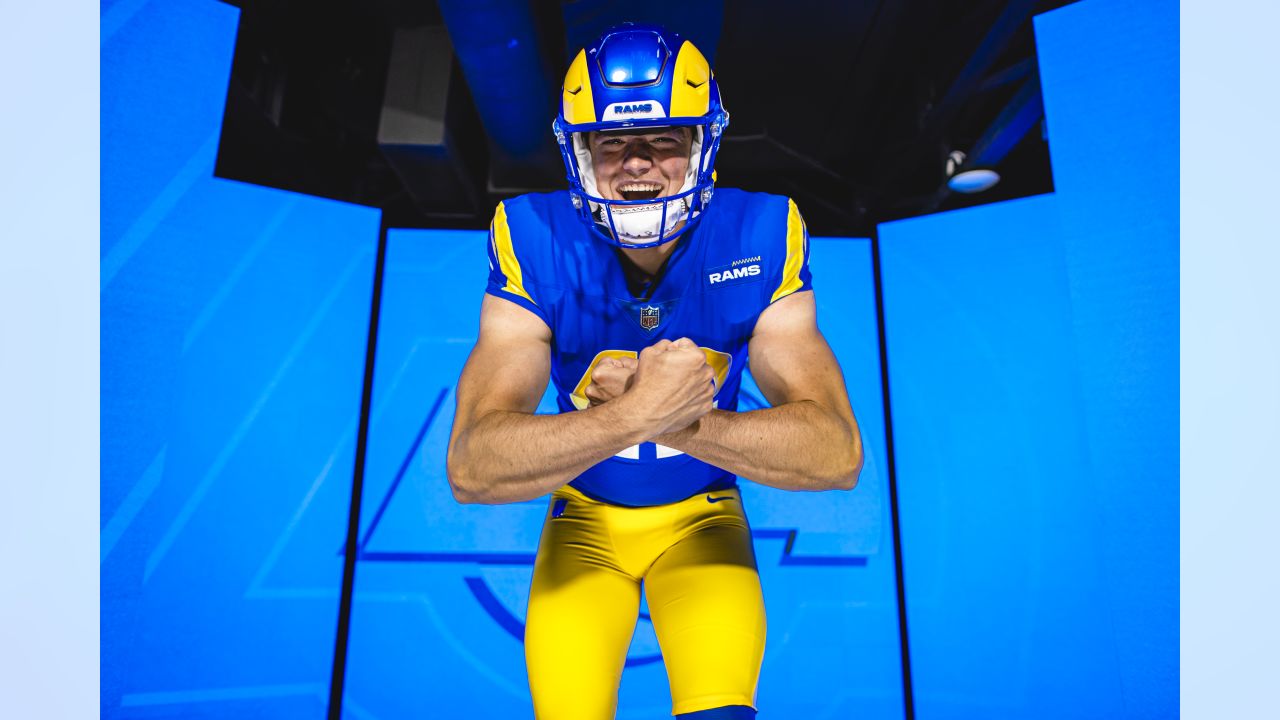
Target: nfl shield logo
<point x="649" y="316"/>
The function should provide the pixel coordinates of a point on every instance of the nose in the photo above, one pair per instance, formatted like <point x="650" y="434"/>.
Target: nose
<point x="638" y="159"/>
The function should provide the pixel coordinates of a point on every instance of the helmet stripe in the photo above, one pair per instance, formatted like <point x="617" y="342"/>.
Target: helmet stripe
<point x="691" y="89"/>
<point x="579" y="107"/>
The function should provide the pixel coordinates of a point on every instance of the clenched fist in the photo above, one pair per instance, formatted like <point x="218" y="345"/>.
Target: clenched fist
<point x="610" y="378"/>
<point x="672" y="386"/>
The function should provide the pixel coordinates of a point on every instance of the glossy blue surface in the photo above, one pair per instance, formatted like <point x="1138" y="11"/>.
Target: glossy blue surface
<point x="632" y="56"/>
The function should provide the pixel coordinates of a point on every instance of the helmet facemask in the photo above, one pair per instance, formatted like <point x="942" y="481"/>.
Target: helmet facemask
<point x="640" y="222"/>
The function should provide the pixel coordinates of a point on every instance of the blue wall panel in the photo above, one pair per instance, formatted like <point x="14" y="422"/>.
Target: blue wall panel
<point x="1033" y="360"/>
<point x="442" y="588"/>
<point x="1118" y="203"/>
<point x="233" y="328"/>
<point x="1003" y="593"/>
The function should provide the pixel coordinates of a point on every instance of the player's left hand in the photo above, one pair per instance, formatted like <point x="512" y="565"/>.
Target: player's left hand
<point x="610" y="378"/>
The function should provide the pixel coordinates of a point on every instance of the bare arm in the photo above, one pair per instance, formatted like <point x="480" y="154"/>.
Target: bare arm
<point x="500" y="452"/>
<point x="809" y="440"/>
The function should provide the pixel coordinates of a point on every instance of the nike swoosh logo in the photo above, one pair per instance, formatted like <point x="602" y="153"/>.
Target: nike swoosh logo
<point x="718" y="499"/>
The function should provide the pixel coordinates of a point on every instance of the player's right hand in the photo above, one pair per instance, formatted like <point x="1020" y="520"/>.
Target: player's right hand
<point x="610" y="379"/>
<point x="673" y="385"/>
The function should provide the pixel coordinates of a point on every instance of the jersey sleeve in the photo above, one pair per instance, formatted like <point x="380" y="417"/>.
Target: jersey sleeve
<point x="793" y="274"/>
<point x="508" y="277"/>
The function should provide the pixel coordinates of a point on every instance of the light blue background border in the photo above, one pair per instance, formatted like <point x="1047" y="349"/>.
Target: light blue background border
<point x="1230" y="358"/>
<point x="49" y="360"/>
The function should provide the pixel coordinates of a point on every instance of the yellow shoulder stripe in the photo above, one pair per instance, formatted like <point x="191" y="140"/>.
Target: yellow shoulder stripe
<point x="507" y="261"/>
<point x="795" y="254"/>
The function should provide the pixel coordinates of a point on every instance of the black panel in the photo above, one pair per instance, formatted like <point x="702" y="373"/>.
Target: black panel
<point x="850" y="108"/>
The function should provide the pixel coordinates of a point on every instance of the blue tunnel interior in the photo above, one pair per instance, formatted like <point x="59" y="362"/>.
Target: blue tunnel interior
<point x="1031" y="375"/>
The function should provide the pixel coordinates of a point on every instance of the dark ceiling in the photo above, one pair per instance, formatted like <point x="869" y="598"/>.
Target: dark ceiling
<point x="436" y="110"/>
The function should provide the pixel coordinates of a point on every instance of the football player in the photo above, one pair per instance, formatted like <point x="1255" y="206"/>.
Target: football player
<point x="642" y="292"/>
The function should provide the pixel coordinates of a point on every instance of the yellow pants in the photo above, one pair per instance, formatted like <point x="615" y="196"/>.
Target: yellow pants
<point x="699" y="571"/>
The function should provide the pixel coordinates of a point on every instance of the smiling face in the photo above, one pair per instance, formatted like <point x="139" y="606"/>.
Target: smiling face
<point x="640" y="163"/>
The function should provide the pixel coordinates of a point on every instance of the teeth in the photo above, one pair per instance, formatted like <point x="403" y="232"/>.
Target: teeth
<point x="639" y="187"/>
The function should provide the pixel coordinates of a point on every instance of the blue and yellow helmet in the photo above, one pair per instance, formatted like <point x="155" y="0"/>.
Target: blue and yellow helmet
<point x="640" y="76"/>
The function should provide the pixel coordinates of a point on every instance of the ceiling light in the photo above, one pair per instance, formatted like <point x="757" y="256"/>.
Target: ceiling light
<point x="973" y="181"/>
<point x="968" y="181"/>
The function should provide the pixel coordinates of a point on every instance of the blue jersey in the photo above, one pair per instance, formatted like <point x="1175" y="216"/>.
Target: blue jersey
<point x="749" y="250"/>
